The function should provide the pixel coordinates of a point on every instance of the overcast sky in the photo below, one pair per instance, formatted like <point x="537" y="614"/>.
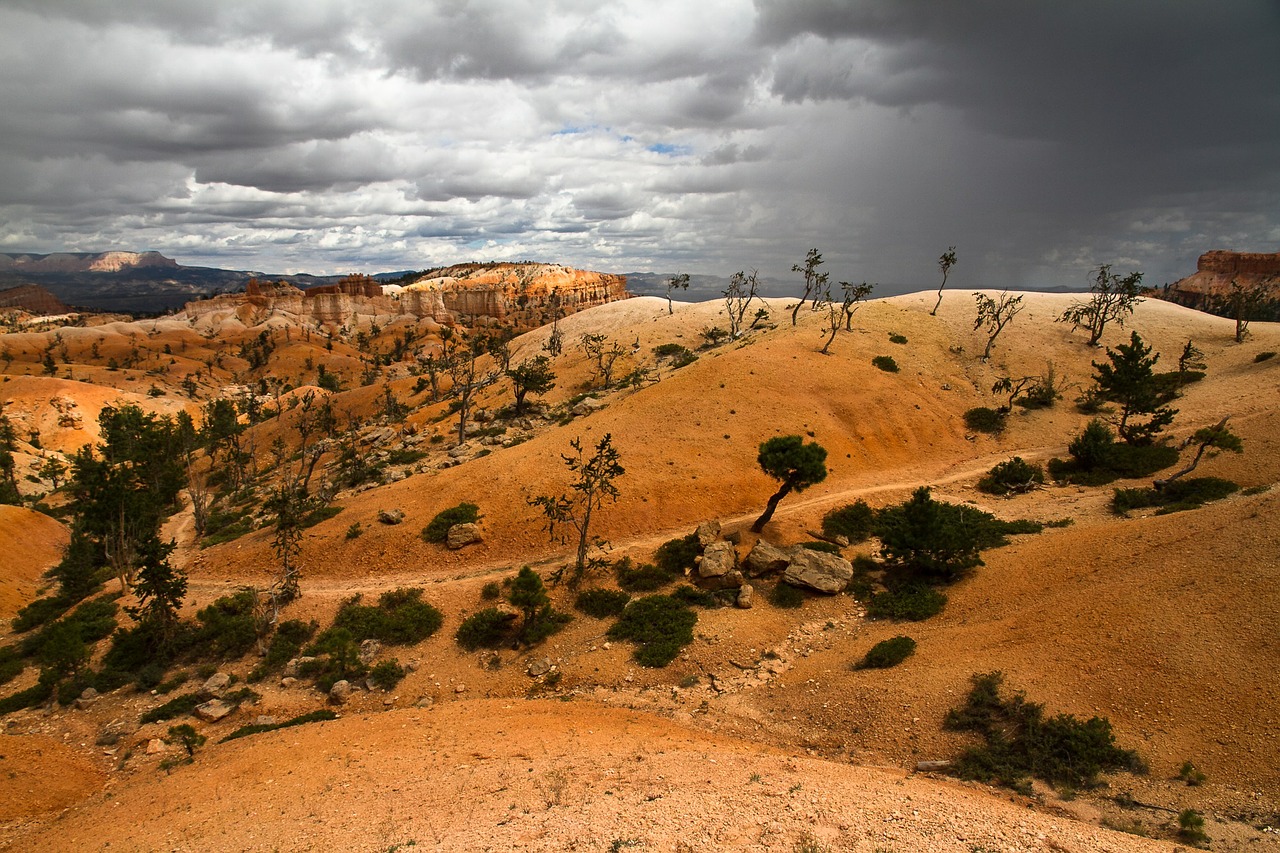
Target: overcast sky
<point x="1039" y="137"/>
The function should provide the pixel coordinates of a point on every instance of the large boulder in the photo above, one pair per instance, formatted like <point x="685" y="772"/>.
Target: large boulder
<point x="215" y="686"/>
<point x="718" y="559"/>
<point x="214" y="710"/>
<point x="708" y="532"/>
<point x="818" y="571"/>
<point x="746" y="596"/>
<point x="765" y="559"/>
<point x="390" y="516"/>
<point x="340" y="692"/>
<point x="462" y="535"/>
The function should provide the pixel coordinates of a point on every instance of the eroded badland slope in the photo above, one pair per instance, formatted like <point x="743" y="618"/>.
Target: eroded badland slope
<point x="760" y="735"/>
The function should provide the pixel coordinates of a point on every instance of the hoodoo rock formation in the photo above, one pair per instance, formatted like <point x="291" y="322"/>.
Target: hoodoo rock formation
<point x="520" y="295"/>
<point x="1215" y="272"/>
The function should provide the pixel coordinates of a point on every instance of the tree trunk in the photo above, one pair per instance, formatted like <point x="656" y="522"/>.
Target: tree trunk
<point x="772" y="505"/>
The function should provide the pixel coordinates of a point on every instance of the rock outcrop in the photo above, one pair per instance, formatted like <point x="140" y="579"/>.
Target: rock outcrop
<point x="1216" y="270"/>
<point x="523" y="296"/>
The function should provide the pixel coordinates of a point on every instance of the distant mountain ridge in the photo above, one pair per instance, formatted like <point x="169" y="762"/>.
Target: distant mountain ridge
<point x="83" y="261"/>
<point x="134" y="282"/>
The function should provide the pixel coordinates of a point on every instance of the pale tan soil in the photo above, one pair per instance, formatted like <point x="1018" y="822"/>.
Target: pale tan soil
<point x="502" y="775"/>
<point x="1167" y="625"/>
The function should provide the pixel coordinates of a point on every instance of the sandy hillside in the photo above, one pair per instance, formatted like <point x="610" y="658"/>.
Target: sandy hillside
<point x="30" y="543"/>
<point x="1167" y="625"/>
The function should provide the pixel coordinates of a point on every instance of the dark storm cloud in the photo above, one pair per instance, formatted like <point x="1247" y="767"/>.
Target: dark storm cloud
<point x="1038" y="137"/>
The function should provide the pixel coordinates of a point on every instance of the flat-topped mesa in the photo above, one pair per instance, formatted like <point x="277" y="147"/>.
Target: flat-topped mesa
<point x="517" y="295"/>
<point x="82" y="261"/>
<point x="1215" y="273"/>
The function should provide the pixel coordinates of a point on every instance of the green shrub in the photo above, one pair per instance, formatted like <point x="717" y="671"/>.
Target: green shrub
<point x="1013" y="476"/>
<point x="678" y="555"/>
<point x="1020" y="741"/>
<point x="319" y="514"/>
<point x="11" y="664"/>
<point x="1175" y="497"/>
<point x="287" y="642"/>
<point x="1191" y="774"/>
<point x="895" y="338"/>
<point x="355" y="531"/>
<point x="853" y="521"/>
<point x="319" y="716"/>
<point x="1191" y="827"/>
<point x="387" y="674"/>
<point x="913" y="602"/>
<point x="40" y="612"/>
<point x="786" y="596"/>
<point x="228" y="628"/>
<point x="405" y="456"/>
<point x="176" y="707"/>
<point x="887" y="653"/>
<point x="490" y="628"/>
<point x="659" y="624"/>
<point x="400" y="618"/>
<point x="825" y="547"/>
<point x="705" y="599"/>
<point x="491" y="591"/>
<point x="681" y="356"/>
<point x="340" y="661"/>
<point x="885" y="363"/>
<point x="438" y="529"/>
<point x="34" y="695"/>
<point x="984" y="419"/>
<point x="643" y="578"/>
<point x="601" y="603"/>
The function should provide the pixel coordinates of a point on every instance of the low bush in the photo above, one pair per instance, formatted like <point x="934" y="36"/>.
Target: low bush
<point x="1175" y="497"/>
<point x="913" y="602"/>
<point x="176" y="707"/>
<point x="34" y="695"/>
<point x="786" y="596"/>
<point x="322" y="715"/>
<point x="318" y="515"/>
<point x="984" y="419"/>
<point x="491" y="591"/>
<point x="601" y="603"/>
<point x="11" y="664"/>
<point x="853" y="521"/>
<point x="1191" y="827"/>
<point x="40" y="612"/>
<point x="490" y="628"/>
<point x="337" y="658"/>
<point x="400" y="618"/>
<point x="659" y="624"/>
<point x="287" y="642"/>
<point x="643" y="578"/>
<point x="706" y="599"/>
<point x="1012" y="477"/>
<point x="895" y="338"/>
<point x="437" y="530"/>
<point x="681" y="356"/>
<point x="228" y="627"/>
<point x="887" y="653"/>
<point x="387" y="674"/>
<point x="678" y="555"/>
<point x="1020" y="741"/>
<point x="405" y="456"/>
<point x="1122" y="462"/>
<point x="885" y="363"/>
